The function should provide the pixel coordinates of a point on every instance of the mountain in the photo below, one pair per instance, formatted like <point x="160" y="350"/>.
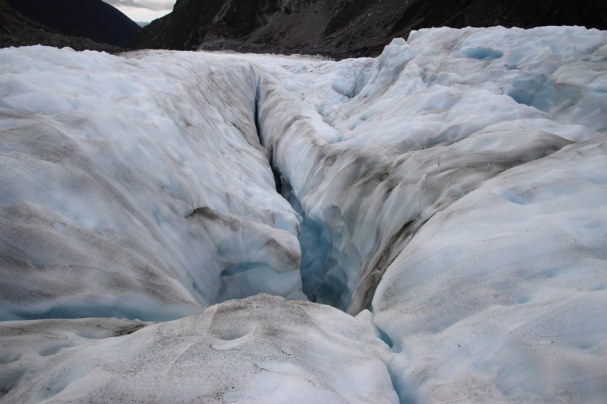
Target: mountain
<point x="346" y="27"/>
<point x="18" y="30"/>
<point x="93" y="19"/>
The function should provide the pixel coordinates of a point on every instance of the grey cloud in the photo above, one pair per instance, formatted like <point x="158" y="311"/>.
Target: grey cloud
<point x="155" y="5"/>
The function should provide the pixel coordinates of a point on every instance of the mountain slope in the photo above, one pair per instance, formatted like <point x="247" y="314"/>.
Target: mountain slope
<point x="93" y="19"/>
<point x="346" y="27"/>
<point x="18" y="30"/>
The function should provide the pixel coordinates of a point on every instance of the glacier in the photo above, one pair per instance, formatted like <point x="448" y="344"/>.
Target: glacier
<point x="174" y="226"/>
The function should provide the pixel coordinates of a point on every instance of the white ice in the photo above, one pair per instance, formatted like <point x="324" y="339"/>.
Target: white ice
<point x="135" y="187"/>
<point x="261" y="349"/>
<point x="455" y="187"/>
<point x="469" y="164"/>
<point x="502" y="295"/>
<point x="423" y="126"/>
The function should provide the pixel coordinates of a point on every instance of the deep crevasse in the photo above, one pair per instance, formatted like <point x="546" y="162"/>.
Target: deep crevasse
<point x="136" y="187"/>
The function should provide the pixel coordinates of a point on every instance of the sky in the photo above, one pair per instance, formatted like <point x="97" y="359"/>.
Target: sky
<point x="143" y="10"/>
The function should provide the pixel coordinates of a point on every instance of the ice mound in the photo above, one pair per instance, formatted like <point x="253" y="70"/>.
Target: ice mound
<point x="135" y="187"/>
<point x="261" y="349"/>
<point x="423" y="125"/>
<point x="501" y="296"/>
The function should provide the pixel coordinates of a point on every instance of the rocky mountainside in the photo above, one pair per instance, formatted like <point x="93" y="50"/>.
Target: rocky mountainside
<point x="343" y="28"/>
<point x="18" y="30"/>
<point x="93" y="19"/>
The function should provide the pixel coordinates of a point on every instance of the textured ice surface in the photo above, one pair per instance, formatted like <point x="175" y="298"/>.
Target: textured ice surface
<point x="470" y="164"/>
<point x="502" y="295"/>
<point x="135" y="187"/>
<point x="455" y="187"/>
<point x="426" y="123"/>
<point x="261" y="349"/>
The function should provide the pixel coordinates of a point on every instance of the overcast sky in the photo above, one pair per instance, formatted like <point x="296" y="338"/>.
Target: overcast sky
<point x="143" y="10"/>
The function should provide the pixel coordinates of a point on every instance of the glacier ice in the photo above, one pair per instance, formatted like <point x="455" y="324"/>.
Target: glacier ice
<point x="449" y="195"/>
<point x="428" y="126"/>
<point x="260" y="349"/>
<point x="142" y="192"/>
<point x="506" y="287"/>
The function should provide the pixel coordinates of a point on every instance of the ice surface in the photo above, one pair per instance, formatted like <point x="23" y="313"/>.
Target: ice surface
<point x="450" y="193"/>
<point x="487" y="298"/>
<point x="260" y="350"/>
<point x="430" y="120"/>
<point x="501" y="296"/>
<point x="135" y="187"/>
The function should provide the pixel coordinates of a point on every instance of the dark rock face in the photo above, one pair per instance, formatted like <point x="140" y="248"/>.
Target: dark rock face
<point x="343" y="28"/>
<point x="91" y="19"/>
<point x="18" y="30"/>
